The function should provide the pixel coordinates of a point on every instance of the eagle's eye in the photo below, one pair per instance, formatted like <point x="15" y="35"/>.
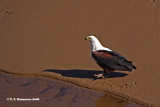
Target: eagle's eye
<point x="87" y="38"/>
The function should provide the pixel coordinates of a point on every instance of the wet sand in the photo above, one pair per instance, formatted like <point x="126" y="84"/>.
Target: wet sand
<point x="14" y="90"/>
<point x="47" y="38"/>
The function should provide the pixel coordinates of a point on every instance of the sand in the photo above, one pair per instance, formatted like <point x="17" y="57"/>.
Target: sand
<point x="48" y="92"/>
<point x="47" y="38"/>
<point x="35" y="91"/>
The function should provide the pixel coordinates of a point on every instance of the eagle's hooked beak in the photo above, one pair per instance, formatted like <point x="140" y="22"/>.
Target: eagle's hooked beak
<point x="87" y="38"/>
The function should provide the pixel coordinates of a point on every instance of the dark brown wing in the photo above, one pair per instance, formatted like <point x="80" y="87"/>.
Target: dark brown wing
<point x="112" y="60"/>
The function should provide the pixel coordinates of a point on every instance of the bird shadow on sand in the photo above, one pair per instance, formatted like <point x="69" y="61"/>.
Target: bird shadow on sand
<point x="78" y="73"/>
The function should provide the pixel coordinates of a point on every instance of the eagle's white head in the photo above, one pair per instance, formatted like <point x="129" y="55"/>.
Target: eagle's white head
<point x="95" y="44"/>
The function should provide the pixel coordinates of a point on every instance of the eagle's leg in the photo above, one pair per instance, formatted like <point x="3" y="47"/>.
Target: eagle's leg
<point x="106" y="72"/>
<point x="103" y="75"/>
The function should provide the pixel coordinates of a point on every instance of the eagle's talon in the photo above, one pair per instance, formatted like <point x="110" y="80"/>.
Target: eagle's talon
<point x="98" y="76"/>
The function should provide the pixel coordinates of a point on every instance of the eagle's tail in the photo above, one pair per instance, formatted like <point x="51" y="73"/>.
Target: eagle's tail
<point x="127" y="65"/>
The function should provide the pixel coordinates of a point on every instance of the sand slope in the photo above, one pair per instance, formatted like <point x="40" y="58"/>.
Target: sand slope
<point x="41" y="35"/>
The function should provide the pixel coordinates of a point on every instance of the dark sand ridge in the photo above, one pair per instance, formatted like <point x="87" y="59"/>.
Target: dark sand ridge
<point x="107" y="86"/>
<point x="51" y="92"/>
<point x="40" y="35"/>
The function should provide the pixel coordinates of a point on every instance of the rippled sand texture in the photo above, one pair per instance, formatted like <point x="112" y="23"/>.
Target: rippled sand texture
<point x="40" y="35"/>
<point x="51" y="93"/>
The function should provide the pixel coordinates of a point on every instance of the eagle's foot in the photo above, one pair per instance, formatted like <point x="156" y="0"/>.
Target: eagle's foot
<point x="99" y="76"/>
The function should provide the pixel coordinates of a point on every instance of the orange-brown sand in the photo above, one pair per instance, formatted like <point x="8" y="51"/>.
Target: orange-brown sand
<point x="47" y="38"/>
<point x="34" y="91"/>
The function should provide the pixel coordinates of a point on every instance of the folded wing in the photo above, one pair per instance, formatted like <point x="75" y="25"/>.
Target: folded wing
<point x="113" y="60"/>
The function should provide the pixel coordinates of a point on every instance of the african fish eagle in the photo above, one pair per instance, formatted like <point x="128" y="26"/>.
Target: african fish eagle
<point x="108" y="59"/>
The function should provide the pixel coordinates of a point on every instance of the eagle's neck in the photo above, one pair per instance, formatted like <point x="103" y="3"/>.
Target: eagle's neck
<point x="96" y="45"/>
